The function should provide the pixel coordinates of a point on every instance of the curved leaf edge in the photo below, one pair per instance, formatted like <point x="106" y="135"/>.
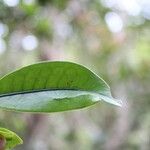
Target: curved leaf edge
<point x="108" y="99"/>
<point x="11" y="138"/>
<point x="42" y="62"/>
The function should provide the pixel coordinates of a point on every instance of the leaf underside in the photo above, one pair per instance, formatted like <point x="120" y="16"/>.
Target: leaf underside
<point x="52" y="87"/>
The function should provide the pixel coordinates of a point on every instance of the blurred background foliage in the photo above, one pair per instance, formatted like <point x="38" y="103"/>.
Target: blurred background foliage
<point x="112" y="38"/>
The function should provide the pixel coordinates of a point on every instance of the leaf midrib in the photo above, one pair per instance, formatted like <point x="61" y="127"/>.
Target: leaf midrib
<point x="44" y="90"/>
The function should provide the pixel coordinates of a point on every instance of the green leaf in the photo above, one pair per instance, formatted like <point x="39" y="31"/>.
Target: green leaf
<point x="9" y="139"/>
<point x="52" y="87"/>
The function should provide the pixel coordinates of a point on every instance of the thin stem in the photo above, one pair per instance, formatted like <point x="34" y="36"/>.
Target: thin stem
<point x="2" y="143"/>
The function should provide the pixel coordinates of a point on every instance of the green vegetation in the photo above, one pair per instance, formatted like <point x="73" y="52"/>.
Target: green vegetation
<point x="8" y="139"/>
<point x="111" y="38"/>
<point x="50" y="87"/>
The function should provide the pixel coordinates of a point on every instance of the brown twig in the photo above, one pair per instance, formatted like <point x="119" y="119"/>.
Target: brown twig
<point x="2" y="142"/>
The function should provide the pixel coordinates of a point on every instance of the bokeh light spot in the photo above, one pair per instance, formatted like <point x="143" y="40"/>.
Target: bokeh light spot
<point x="29" y="42"/>
<point x="114" y="22"/>
<point x="11" y="3"/>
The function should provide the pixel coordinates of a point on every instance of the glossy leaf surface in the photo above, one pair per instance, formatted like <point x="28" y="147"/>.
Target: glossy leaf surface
<point x="52" y="87"/>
